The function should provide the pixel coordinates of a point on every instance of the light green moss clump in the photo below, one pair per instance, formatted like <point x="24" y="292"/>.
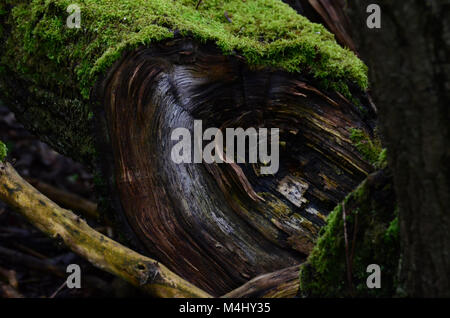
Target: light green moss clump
<point x="372" y="208"/>
<point x="264" y="32"/>
<point x="370" y="148"/>
<point x="3" y="151"/>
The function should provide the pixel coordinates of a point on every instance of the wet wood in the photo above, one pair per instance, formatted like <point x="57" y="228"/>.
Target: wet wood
<point x="219" y="225"/>
<point x="280" y="284"/>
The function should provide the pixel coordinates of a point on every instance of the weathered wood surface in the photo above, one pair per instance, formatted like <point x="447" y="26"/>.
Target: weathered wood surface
<point x="280" y="284"/>
<point x="147" y="274"/>
<point x="217" y="224"/>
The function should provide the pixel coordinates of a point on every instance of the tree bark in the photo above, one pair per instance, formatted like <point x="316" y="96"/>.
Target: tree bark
<point x="216" y="225"/>
<point x="408" y="58"/>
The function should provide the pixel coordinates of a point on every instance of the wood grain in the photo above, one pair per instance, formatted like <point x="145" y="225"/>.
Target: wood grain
<point x="204" y="220"/>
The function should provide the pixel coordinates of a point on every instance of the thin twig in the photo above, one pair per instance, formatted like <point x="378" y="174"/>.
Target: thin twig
<point x="227" y="17"/>
<point x="66" y="199"/>
<point x="198" y="4"/>
<point x="59" y="289"/>
<point x="8" y="291"/>
<point x="29" y="251"/>
<point x="17" y="258"/>
<point x="46" y="266"/>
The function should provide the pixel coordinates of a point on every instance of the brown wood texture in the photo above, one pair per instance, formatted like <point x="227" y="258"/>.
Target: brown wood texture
<point x="280" y="284"/>
<point x="219" y="225"/>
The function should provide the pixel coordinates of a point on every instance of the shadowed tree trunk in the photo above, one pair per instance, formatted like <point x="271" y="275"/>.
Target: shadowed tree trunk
<point x="409" y="71"/>
<point x="216" y="225"/>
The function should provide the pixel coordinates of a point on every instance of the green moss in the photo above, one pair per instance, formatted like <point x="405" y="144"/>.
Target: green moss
<point x="372" y="206"/>
<point x="264" y="32"/>
<point x="370" y="148"/>
<point x="3" y="151"/>
<point x="392" y="234"/>
<point x="382" y="159"/>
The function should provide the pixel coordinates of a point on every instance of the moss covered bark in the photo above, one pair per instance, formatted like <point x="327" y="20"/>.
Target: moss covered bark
<point x="373" y="234"/>
<point x="53" y="68"/>
<point x="264" y="32"/>
<point x="370" y="148"/>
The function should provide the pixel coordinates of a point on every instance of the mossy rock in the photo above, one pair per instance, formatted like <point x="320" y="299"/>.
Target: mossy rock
<point x="267" y="33"/>
<point x="372" y="206"/>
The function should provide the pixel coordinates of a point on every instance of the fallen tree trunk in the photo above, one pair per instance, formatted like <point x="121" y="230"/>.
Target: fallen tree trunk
<point x="216" y="225"/>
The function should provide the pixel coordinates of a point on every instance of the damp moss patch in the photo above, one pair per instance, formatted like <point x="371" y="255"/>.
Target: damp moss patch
<point x="373" y="234"/>
<point x="370" y="148"/>
<point x="3" y="151"/>
<point x="264" y="32"/>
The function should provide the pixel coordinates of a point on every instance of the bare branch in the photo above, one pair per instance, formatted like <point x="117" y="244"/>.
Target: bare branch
<point x="280" y="284"/>
<point x="101" y="251"/>
<point x="67" y="200"/>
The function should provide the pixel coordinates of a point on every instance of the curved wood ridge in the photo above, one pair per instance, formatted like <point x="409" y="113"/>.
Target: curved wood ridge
<point x="219" y="225"/>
